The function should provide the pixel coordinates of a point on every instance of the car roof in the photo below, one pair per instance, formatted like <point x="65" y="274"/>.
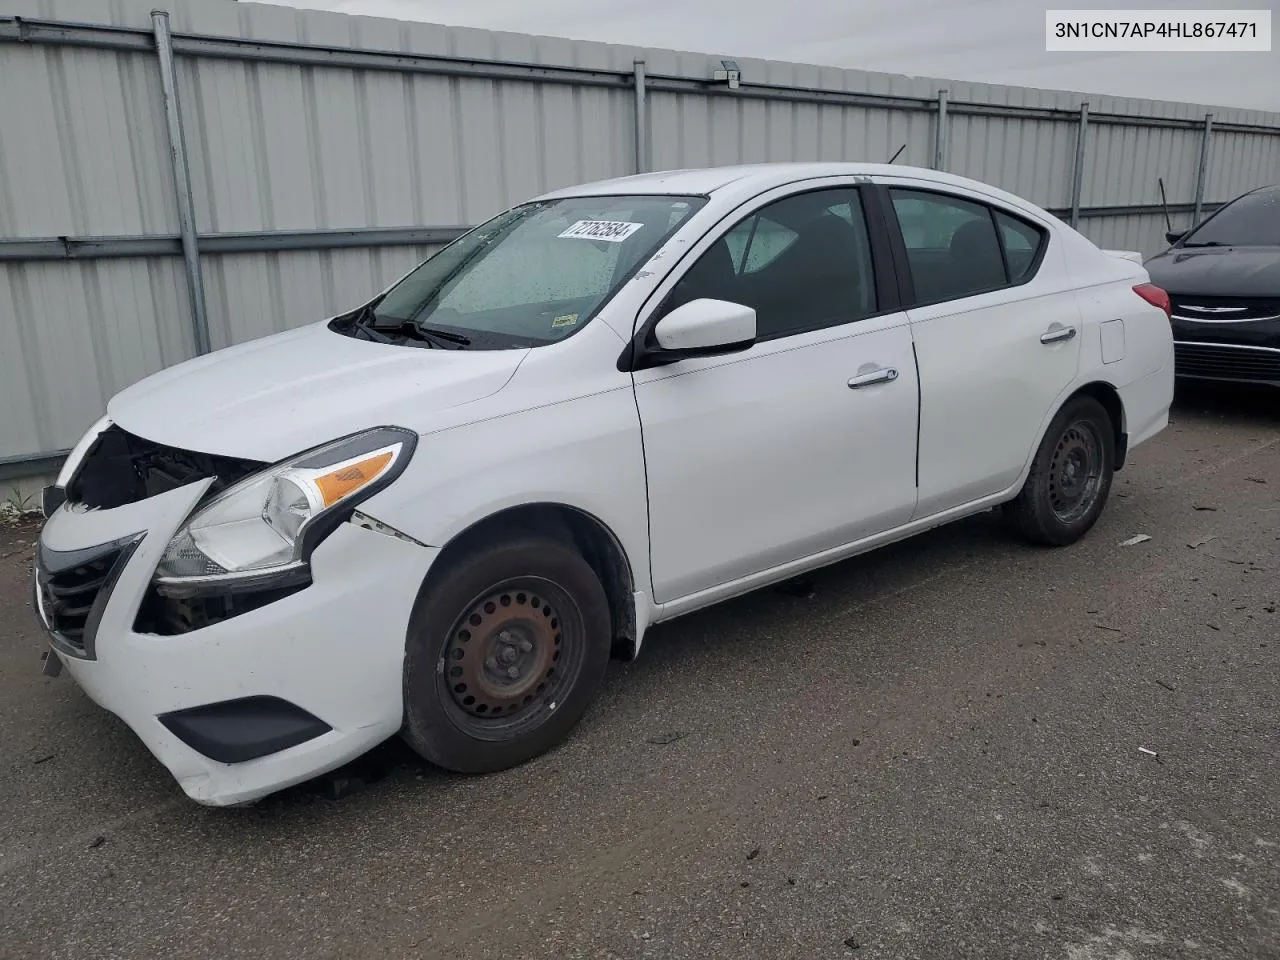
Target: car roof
<point x="701" y="181"/>
<point x="743" y="180"/>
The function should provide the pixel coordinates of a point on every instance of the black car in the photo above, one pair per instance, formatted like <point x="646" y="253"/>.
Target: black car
<point x="1223" y="278"/>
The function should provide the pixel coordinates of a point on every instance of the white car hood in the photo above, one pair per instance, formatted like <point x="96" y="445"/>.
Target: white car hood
<point x="273" y="397"/>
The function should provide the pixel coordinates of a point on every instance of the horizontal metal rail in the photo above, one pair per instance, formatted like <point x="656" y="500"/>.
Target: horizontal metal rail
<point x="1133" y="210"/>
<point x="88" y="248"/>
<point x="57" y="33"/>
<point x="21" y="30"/>
<point x="170" y="245"/>
<point x="97" y="248"/>
<point x="31" y="465"/>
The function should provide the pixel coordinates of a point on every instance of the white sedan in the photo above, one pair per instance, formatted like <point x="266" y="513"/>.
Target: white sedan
<point x="440" y="514"/>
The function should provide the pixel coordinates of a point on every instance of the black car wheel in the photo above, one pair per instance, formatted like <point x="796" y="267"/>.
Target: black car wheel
<point x="505" y="652"/>
<point x="1070" y="477"/>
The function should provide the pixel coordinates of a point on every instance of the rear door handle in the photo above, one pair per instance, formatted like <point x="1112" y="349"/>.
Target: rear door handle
<point x="883" y="375"/>
<point x="1058" y="335"/>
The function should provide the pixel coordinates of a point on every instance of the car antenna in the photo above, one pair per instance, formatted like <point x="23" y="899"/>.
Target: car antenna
<point x="1164" y="205"/>
<point x="898" y="154"/>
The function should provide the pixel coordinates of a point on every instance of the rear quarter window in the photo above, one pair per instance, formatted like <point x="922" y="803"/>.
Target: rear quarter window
<point x="1022" y="243"/>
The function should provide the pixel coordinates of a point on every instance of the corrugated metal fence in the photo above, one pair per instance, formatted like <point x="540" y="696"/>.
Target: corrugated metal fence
<point x="226" y="170"/>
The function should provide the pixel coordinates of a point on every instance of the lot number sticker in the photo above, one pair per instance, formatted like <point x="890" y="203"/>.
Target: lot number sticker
<point x="614" y="231"/>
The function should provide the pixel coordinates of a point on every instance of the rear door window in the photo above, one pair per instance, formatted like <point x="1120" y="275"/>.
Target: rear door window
<point x="959" y="248"/>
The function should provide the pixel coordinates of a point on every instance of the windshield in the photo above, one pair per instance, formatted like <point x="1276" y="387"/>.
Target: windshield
<point x="534" y="274"/>
<point x="1251" y="221"/>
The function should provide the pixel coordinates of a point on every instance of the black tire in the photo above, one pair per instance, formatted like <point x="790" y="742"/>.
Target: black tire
<point x="1070" y="476"/>
<point x="524" y="628"/>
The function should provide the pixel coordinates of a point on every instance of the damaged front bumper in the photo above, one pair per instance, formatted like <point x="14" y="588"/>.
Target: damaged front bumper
<point x="240" y="707"/>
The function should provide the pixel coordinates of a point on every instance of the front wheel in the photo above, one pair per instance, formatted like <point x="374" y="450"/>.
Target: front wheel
<point x="504" y="654"/>
<point x="1070" y="476"/>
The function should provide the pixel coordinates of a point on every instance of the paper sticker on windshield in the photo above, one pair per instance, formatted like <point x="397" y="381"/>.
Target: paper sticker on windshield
<point x="614" y="231"/>
<point x="568" y="320"/>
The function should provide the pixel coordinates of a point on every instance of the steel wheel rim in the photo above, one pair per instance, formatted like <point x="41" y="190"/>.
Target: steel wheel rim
<point x="1075" y="471"/>
<point x="511" y="658"/>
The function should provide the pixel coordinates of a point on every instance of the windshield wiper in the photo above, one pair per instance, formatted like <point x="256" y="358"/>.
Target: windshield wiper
<point x="364" y="322"/>
<point x="412" y="328"/>
<point x="445" y="335"/>
<point x="1208" y="243"/>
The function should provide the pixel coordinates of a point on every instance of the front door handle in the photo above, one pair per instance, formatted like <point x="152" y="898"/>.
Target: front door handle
<point x="1058" y="335"/>
<point x="883" y="375"/>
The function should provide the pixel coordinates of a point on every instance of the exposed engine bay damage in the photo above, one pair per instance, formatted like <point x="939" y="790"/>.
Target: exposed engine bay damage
<point x="121" y="468"/>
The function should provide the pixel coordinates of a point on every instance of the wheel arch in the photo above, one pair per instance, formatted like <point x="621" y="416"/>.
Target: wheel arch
<point x="587" y="534"/>
<point x="1107" y="395"/>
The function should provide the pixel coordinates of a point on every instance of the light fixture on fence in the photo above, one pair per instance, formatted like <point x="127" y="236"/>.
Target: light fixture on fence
<point x="727" y="73"/>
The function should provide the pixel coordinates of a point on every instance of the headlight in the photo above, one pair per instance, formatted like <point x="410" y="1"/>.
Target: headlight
<point x="261" y="531"/>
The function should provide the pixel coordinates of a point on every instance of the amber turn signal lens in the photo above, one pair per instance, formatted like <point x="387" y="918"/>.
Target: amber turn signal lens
<point x="336" y="485"/>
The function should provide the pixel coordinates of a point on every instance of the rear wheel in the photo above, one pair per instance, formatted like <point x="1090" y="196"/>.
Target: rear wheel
<point x="504" y="654"/>
<point x="1070" y="476"/>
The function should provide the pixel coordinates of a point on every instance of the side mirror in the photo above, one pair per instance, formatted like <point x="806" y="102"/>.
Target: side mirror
<point x="1173" y="236"/>
<point x="700" y="328"/>
<point x="703" y="328"/>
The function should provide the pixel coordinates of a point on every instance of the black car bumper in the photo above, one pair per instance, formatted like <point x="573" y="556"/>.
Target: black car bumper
<point x="1233" y="363"/>
<point x="1210" y="348"/>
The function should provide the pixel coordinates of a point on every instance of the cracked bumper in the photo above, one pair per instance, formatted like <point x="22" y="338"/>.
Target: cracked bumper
<point x="334" y="649"/>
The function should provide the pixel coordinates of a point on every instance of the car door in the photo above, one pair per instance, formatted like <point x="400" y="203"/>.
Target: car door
<point x="996" y="328"/>
<point x="802" y="443"/>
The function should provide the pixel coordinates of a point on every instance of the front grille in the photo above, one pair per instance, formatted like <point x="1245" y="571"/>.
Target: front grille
<point x="1216" y="362"/>
<point x="1225" y="309"/>
<point x="121" y="468"/>
<point x="71" y="586"/>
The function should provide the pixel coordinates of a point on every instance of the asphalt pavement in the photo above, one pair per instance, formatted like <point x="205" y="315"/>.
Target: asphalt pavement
<point x="956" y="747"/>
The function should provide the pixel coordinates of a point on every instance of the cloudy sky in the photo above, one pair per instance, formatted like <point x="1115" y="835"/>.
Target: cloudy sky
<point x="993" y="41"/>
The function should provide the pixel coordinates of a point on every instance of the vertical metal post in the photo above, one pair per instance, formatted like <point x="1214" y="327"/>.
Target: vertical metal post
<point x="642" y="121"/>
<point x="181" y="180"/>
<point x="940" y="134"/>
<point x="1077" y="185"/>
<point x="1203" y="174"/>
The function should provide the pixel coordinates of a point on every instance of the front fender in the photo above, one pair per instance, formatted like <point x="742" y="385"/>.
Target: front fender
<point x="584" y="454"/>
